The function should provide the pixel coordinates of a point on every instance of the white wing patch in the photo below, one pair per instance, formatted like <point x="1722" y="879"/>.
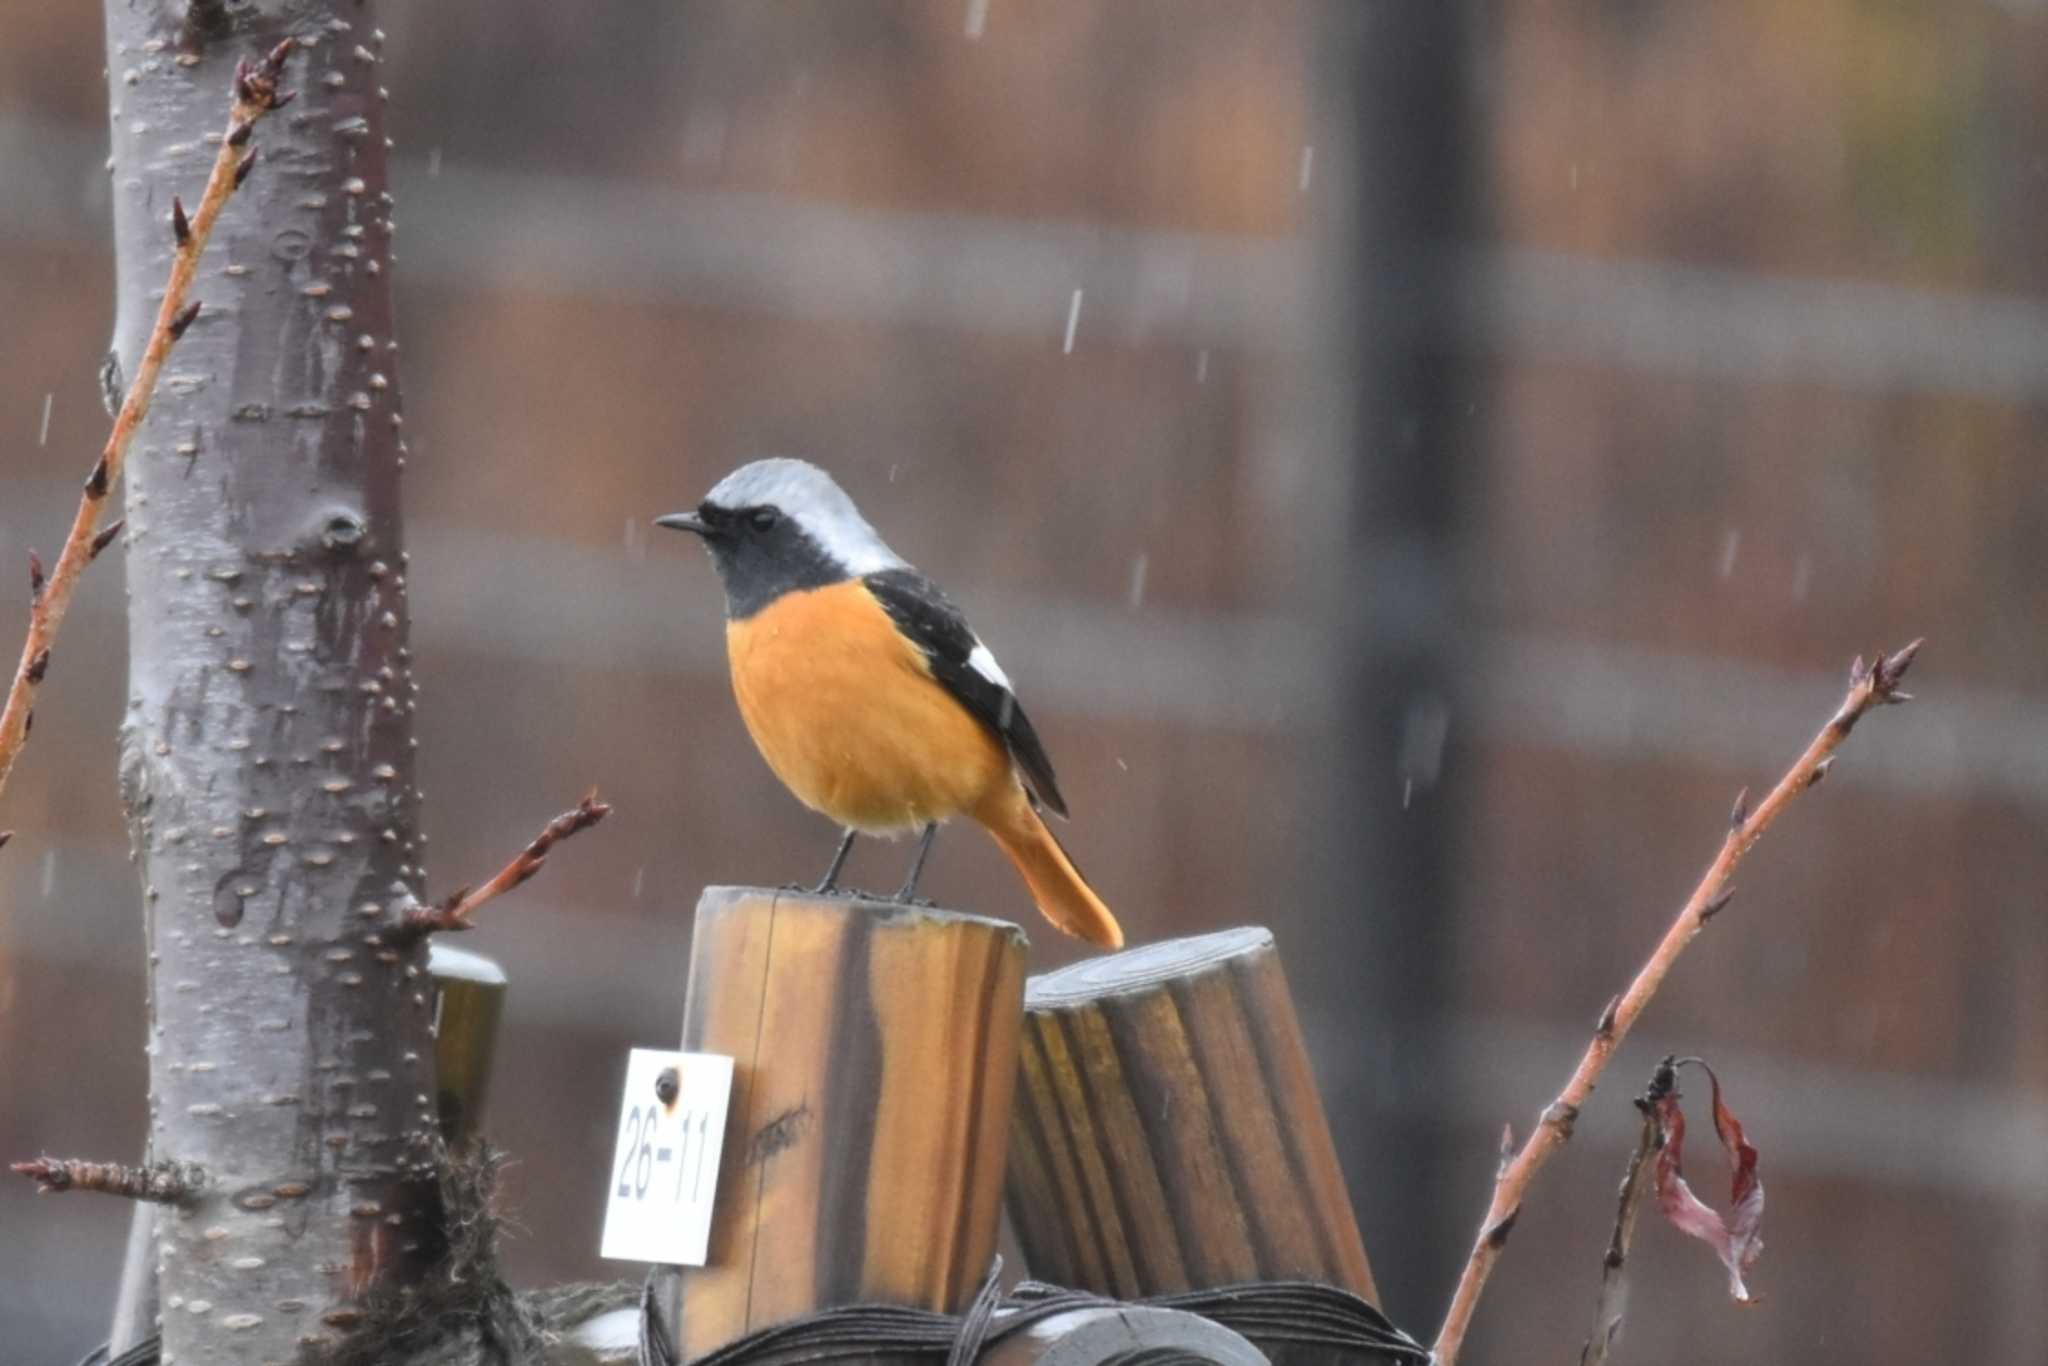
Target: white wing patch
<point x="984" y="663"/>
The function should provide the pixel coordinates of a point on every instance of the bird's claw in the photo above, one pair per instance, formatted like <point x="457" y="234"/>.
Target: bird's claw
<point x="828" y="893"/>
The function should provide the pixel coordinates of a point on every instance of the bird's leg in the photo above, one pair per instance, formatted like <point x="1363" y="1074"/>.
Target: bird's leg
<point x="924" y="849"/>
<point x="831" y="877"/>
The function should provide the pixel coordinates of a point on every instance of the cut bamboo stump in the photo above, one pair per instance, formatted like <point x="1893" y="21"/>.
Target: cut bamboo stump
<point x="469" y="1000"/>
<point x="1168" y="1135"/>
<point x="875" y="1053"/>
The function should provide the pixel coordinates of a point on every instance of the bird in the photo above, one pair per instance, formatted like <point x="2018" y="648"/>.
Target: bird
<point x="867" y="692"/>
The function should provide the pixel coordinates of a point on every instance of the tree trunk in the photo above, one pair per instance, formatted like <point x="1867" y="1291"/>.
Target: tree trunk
<point x="267" y="752"/>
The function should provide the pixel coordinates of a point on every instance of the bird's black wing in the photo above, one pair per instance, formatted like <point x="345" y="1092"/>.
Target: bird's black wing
<point x="964" y="666"/>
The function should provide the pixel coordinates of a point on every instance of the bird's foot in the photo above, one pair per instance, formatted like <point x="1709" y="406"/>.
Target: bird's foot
<point x="832" y="893"/>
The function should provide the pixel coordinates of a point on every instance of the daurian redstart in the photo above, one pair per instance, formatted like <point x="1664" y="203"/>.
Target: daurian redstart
<point x="867" y="692"/>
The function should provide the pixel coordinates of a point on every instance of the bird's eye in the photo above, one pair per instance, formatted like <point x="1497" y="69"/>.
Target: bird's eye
<point x="764" y="519"/>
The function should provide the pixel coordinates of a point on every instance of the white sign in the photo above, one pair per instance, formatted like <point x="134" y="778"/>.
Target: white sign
<point x="664" y="1172"/>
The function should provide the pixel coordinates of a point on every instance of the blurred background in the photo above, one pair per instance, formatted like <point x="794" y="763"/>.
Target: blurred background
<point x="1417" y="462"/>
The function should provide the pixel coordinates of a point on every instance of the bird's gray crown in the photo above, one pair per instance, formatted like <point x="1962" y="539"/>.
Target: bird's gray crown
<point x="808" y="496"/>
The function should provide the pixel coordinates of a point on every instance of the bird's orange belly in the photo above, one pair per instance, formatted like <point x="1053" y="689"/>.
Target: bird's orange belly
<point x="847" y="714"/>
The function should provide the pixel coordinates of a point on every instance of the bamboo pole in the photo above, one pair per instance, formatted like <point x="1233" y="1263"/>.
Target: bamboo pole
<point x="875" y="1050"/>
<point x="1168" y="1135"/>
<point x="135" y="1305"/>
<point x="469" y="1000"/>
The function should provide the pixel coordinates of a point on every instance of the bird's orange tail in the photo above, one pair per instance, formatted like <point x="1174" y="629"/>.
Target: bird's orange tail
<point x="1062" y="894"/>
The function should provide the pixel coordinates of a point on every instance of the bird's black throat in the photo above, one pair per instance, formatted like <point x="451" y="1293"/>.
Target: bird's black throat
<point x="757" y="566"/>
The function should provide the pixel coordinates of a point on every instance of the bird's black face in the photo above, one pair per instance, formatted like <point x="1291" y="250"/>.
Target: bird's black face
<point x="760" y="552"/>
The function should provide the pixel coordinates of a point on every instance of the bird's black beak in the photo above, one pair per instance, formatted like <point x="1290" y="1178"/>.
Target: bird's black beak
<point x="684" y="521"/>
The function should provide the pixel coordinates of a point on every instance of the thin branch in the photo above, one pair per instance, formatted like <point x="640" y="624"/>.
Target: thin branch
<point x="158" y="1183"/>
<point x="1635" y="1183"/>
<point x="1870" y="685"/>
<point x="454" y="913"/>
<point x="255" y="94"/>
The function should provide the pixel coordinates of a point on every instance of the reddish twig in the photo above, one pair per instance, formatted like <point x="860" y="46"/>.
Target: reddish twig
<point x="1870" y="685"/>
<point x="159" y="1183"/>
<point x="1635" y="1184"/>
<point x="455" y="911"/>
<point x="255" y="94"/>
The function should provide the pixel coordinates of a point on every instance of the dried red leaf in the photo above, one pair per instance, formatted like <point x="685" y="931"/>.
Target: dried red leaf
<point x="1746" y="1188"/>
<point x="1738" y="1239"/>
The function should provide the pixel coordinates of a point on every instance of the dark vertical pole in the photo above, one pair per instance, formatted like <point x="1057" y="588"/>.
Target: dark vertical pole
<point x="1393" y="98"/>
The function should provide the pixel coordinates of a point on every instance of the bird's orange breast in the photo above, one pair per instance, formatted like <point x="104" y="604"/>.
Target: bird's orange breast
<point x="847" y="713"/>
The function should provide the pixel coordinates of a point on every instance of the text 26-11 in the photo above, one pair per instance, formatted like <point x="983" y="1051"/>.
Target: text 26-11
<point x="642" y="1157"/>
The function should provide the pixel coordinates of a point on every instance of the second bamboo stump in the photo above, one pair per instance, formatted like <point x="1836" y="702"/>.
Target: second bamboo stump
<point x="875" y="1054"/>
<point x="1168" y="1135"/>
